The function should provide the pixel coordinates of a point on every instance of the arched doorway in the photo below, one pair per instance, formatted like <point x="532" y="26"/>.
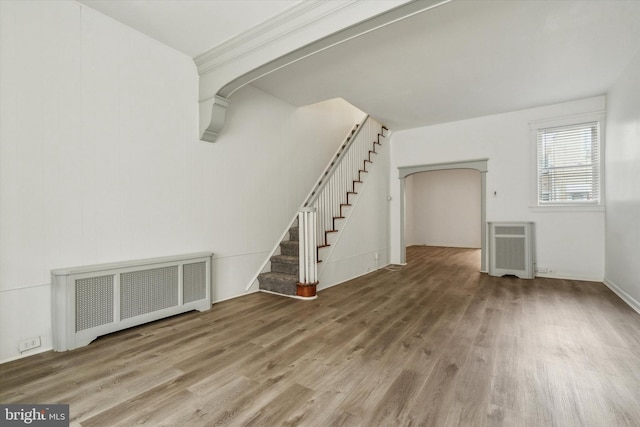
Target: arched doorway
<point x="479" y="165"/>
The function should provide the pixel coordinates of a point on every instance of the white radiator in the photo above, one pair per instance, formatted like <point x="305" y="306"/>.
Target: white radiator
<point x="99" y="299"/>
<point x="511" y="249"/>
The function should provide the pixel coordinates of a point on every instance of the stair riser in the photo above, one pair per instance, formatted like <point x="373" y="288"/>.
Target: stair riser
<point x="284" y="267"/>
<point x="289" y="248"/>
<point x="285" y="287"/>
<point x="293" y="234"/>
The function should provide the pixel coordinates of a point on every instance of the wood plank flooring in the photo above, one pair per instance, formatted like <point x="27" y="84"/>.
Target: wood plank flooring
<point x="433" y="343"/>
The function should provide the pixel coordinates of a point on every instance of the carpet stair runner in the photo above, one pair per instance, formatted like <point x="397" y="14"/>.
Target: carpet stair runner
<point x="283" y="276"/>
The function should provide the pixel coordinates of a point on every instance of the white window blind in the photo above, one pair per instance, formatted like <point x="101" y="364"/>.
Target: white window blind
<point x="568" y="160"/>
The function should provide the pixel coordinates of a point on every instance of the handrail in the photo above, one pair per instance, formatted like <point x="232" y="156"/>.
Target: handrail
<point x="335" y="162"/>
<point x="333" y="192"/>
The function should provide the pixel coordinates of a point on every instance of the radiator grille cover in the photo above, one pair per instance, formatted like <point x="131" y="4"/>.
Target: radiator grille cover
<point x="510" y="253"/>
<point x="194" y="281"/>
<point x="513" y="230"/>
<point x="148" y="290"/>
<point x="512" y="249"/>
<point x="94" y="302"/>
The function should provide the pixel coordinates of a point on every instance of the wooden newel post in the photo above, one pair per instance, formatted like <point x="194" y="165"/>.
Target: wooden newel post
<point x="308" y="258"/>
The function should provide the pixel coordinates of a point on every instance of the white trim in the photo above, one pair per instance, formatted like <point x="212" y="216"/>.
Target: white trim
<point x="356" y="256"/>
<point x="233" y="297"/>
<point x="269" y="32"/>
<point x="534" y="126"/>
<point x="24" y="287"/>
<point x="478" y="164"/>
<point x="23" y="355"/>
<point x="553" y="122"/>
<point x="385" y="16"/>
<point x="628" y="299"/>
<point x="481" y="165"/>
<point x="223" y="73"/>
<point x="562" y="276"/>
<point x="567" y="208"/>
<point x="356" y="277"/>
<point x="289" y="296"/>
<point x="96" y="268"/>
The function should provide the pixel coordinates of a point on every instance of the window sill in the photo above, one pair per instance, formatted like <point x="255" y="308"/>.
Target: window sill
<point x="567" y="208"/>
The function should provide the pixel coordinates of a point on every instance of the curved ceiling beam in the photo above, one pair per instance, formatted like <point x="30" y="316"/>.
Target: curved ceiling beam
<point x="300" y="32"/>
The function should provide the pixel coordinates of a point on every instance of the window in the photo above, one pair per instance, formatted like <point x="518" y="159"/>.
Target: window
<point x="568" y="163"/>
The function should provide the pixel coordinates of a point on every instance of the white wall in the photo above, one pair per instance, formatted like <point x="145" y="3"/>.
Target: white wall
<point x="100" y="160"/>
<point x="622" y="263"/>
<point x="571" y="244"/>
<point x="445" y="209"/>
<point x="97" y="136"/>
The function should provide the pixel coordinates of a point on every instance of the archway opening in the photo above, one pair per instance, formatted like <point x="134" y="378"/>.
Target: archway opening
<point x="478" y="165"/>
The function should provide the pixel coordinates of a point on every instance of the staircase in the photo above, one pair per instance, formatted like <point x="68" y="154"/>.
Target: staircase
<point x="332" y="220"/>
<point x="283" y="276"/>
<point x="331" y="196"/>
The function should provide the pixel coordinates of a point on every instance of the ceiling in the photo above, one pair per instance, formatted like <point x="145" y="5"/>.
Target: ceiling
<point x="465" y="59"/>
<point x="191" y="26"/>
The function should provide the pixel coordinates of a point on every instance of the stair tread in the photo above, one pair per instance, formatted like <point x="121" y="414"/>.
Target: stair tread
<point x="289" y="259"/>
<point x="276" y="275"/>
<point x="289" y="247"/>
<point x="280" y="283"/>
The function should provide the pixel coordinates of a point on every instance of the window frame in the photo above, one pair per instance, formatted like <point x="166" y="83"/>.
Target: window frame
<point x="578" y="205"/>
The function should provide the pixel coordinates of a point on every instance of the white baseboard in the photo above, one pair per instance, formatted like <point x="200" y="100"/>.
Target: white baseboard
<point x="342" y="281"/>
<point x="289" y="296"/>
<point x="569" y="277"/>
<point x="27" y="354"/>
<point x="631" y="302"/>
<point x="235" y="296"/>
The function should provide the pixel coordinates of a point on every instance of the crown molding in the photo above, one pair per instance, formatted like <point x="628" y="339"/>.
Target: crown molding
<point x="270" y="32"/>
<point x="308" y="28"/>
<point x="364" y="26"/>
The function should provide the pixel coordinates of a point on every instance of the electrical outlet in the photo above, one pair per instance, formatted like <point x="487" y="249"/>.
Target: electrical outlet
<point x="29" y="344"/>
<point x="542" y="270"/>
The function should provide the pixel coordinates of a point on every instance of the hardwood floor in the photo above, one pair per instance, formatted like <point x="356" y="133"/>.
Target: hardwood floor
<point x="431" y="343"/>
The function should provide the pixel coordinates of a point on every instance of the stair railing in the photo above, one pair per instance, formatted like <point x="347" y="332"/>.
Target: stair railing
<point x="307" y="260"/>
<point x="332" y="192"/>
